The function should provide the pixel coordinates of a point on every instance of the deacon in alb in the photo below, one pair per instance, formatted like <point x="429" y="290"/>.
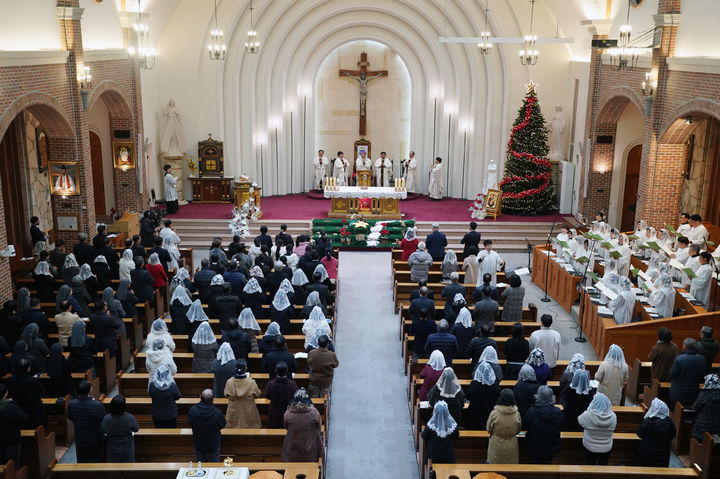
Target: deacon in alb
<point x="435" y="188"/>
<point x="410" y="170"/>
<point x="383" y="170"/>
<point x="340" y="171"/>
<point x="171" y="196"/>
<point x="320" y="163"/>
<point x="490" y="262"/>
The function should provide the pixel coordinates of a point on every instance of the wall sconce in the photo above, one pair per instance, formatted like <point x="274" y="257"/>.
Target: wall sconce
<point x="649" y="86"/>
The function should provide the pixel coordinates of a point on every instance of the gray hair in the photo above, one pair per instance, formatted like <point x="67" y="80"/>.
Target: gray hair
<point x="454" y="276"/>
<point x="82" y="236"/>
<point x="443" y="325"/>
<point x="706" y="331"/>
<point x="690" y="344"/>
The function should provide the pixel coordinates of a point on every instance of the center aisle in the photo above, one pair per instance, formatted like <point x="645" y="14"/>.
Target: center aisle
<point x="370" y="434"/>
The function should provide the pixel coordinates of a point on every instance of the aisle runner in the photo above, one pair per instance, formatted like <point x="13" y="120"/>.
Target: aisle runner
<point x="370" y="433"/>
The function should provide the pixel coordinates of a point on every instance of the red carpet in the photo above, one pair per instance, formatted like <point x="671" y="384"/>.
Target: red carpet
<point x="300" y="207"/>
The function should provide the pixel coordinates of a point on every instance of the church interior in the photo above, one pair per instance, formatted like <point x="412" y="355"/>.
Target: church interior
<point x="537" y="180"/>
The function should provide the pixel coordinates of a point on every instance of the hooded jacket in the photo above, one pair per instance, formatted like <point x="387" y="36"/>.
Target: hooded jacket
<point x="598" y="430"/>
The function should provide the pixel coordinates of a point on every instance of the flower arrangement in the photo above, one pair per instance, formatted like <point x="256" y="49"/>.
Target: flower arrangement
<point x="248" y="211"/>
<point x="192" y="166"/>
<point x="477" y="209"/>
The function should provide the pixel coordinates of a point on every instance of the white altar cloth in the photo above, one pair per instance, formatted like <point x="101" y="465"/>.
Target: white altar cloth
<point x="369" y="192"/>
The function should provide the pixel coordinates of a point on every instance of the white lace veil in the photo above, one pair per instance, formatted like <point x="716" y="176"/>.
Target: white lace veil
<point x="323" y="272"/>
<point x="181" y="295"/>
<point x="286" y="286"/>
<point x="195" y="312"/>
<point x="163" y="377"/>
<point x="465" y="318"/>
<point x="490" y="355"/>
<point x="85" y="272"/>
<point x="225" y="353"/>
<point x="580" y="381"/>
<point x="256" y="272"/>
<point x="70" y="261"/>
<point x="217" y="280"/>
<point x="204" y="334"/>
<point x="615" y="356"/>
<point x="273" y="329"/>
<point x="252" y="287"/>
<point x="313" y="300"/>
<point x="281" y="301"/>
<point x="484" y="374"/>
<point x="526" y="374"/>
<point x="600" y="404"/>
<point x="42" y="269"/>
<point x="450" y="257"/>
<point x="441" y="421"/>
<point x="299" y="278"/>
<point x="577" y="362"/>
<point x="448" y="383"/>
<point x="536" y="357"/>
<point x="247" y="320"/>
<point x="657" y="409"/>
<point x="437" y="360"/>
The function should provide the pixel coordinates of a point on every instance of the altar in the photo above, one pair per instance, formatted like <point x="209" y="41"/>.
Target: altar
<point x="371" y="202"/>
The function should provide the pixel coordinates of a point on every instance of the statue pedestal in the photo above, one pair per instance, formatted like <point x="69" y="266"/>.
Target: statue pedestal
<point x="176" y="163"/>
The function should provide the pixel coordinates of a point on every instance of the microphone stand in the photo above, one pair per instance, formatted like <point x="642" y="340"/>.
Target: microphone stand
<point x="547" y="265"/>
<point x="529" y="252"/>
<point x="583" y="293"/>
<point x="716" y="270"/>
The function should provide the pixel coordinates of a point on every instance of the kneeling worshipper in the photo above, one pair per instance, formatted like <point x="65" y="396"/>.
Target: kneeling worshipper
<point x="663" y="298"/>
<point x="440" y="435"/>
<point x="624" y="304"/>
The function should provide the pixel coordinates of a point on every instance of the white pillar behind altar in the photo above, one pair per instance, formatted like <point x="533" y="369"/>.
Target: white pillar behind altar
<point x="337" y="102"/>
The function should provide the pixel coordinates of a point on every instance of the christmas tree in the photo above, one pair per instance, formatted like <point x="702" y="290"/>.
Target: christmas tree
<point x="526" y="185"/>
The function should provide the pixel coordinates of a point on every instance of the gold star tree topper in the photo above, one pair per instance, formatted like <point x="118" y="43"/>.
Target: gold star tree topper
<point x="531" y="87"/>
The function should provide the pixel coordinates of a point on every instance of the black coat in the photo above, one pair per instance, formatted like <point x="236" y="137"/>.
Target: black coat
<point x="142" y="283"/>
<point x="63" y="384"/>
<point x="12" y="421"/>
<point x="271" y="359"/>
<point x="283" y="318"/>
<point x="10" y="327"/>
<point x="299" y="295"/>
<point x="574" y="404"/>
<point x="476" y="347"/>
<point x="84" y="253"/>
<point x="416" y="305"/>
<point x="464" y="336"/>
<point x="686" y="375"/>
<point x="202" y="281"/>
<point x="280" y="392"/>
<point x="103" y="275"/>
<point x="206" y="421"/>
<point x="177" y="313"/>
<point x="516" y="350"/>
<point x="471" y="238"/>
<point x="654" y="447"/>
<point x="105" y="326"/>
<point x="38" y="317"/>
<point x="27" y="392"/>
<point x="543" y="423"/>
<point x="45" y="287"/>
<point x="322" y="290"/>
<point x="266" y="344"/>
<point x="239" y="342"/>
<point x="225" y="307"/>
<point x="128" y="305"/>
<point x="255" y="302"/>
<point x="266" y="240"/>
<point x="87" y="414"/>
<point x="440" y="450"/>
<point x="482" y="401"/>
<point x="707" y="419"/>
<point x="164" y="407"/>
<point x="81" y="357"/>
<point x="525" y="395"/>
<point x="222" y="372"/>
<point x="421" y="329"/>
<point x="119" y="440"/>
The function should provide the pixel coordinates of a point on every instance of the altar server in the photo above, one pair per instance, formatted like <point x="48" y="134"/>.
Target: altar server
<point x="171" y="196"/>
<point x="410" y="171"/>
<point x="320" y="164"/>
<point x="435" y="188"/>
<point x="383" y="170"/>
<point x="341" y="169"/>
<point x="700" y="286"/>
<point x="490" y="263"/>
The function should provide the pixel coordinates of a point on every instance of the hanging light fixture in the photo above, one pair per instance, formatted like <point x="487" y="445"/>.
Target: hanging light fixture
<point x="624" y="56"/>
<point x="252" y="45"/>
<point x="145" y="55"/>
<point x="529" y="54"/>
<point x="216" y="47"/>
<point x="484" y="45"/>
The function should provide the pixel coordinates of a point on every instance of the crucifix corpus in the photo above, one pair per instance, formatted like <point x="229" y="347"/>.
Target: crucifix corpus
<point x="363" y="76"/>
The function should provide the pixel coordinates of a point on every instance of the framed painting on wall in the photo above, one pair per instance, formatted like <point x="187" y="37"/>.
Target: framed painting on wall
<point x="67" y="223"/>
<point x="42" y="151"/>
<point x="64" y="178"/>
<point x="493" y="202"/>
<point x="123" y="155"/>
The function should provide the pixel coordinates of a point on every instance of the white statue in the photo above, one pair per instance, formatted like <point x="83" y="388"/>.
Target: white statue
<point x="491" y="180"/>
<point x="172" y="143"/>
<point x="558" y="123"/>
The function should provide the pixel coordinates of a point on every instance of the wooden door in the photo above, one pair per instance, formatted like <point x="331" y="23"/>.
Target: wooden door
<point x="11" y="159"/>
<point x="632" y="176"/>
<point x="712" y="198"/>
<point x="96" y="160"/>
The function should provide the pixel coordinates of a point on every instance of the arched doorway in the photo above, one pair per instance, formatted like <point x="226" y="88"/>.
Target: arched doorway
<point x="632" y="178"/>
<point x="96" y="158"/>
<point x="12" y="154"/>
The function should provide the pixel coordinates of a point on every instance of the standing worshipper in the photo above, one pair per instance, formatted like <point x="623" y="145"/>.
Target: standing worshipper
<point x="431" y="373"/>
<point x="410" y="171"/>
<point x="171" y="196"/>
<point x="663" y="298"/>
<point x="45" y="283"/>
<point x="320" y="165"/>
<point x="463" y="330"/>
<point x="119" y="428"/>
<point x="206" y="422"/>
<point x="536" y="360"/>
<point x="548" y="340"/>
<point x="700" y="286"/>
<point x="440" y="435"/>
<point x="435" y="188"/>
<point x="303" y="442"/>
<point x="513" y="296"/>
<point x="12" y="421"/>
<point x="87" y="415"/>
<point x="543" y="423"/>
<point x="471" y="266"/>
<point x="164" y="394"/>
<point x="612" y="374"/>
<point x="408" y="244"/>
<point x="448" y="389"/>
<point x="241" y="391"/>
<point x="656" y="431"/>
<point x="686" y="374"/>
<point x="179" y="305"/>
<point x="598" y="423"/>
<point x="158" y="353"/>
<point x="59" y="372"/>
<point x="223" y="367"/>
<point x="624" y="304"/>
<point x="525" y="389"/>
<point x="576" y="363"/>
<point x="281" y="311"/>
<point x="126" y="265"/>
<point x="576" y="398"/>
<point x="662" y="355"/>
<point x="170" y="242"/>
<point x="249" y="325"/>
<point x="449" y="265"/>
<point x="516" y="350"/>
<point x="706" y="407"/>
<point x="280" y="391"/>
<point x="471" y="239"/>
<point x="205" y="347"/>
<point x="436" y="243"/>
<point x="340" y="170"/>
<point x="490" y="262"/>
<point x="482" y="393"/>
<point x="82" y="349"/>
<point x="503" y="425"/>
<point x="322" y="363"/>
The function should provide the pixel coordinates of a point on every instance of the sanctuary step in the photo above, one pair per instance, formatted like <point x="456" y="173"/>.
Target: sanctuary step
<point x="510" y="237"/>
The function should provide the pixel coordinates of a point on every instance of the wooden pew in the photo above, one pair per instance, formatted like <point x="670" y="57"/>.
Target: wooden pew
<point x="295" y="325"/>
<point x="294" y="342"/>
<point x="58" y="422"/>
<point x="403" y="289"/>
<point x="462" y="368"/>
<point x="38" y="452"/>
<point x="706" y="455"/>
<point x="77" y="377"/>
<point x="184" y="362"/>
<point x="553" y="471"/>
<point x="8" y="471"/>
<point x="397" y="254"/>
<point x="190" y="384"/>
<point x="169" y="470"/>
<point x="407" y="346"/>
<point x="140" y="407"/>
<point x="639" y="376"/>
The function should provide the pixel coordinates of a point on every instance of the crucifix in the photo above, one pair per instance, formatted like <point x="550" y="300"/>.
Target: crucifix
<point x="363" y="76"/>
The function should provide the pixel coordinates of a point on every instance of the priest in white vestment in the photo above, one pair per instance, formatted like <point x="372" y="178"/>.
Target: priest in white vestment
<point x="700" y="286"/>
<point x="383" y="170"/>
<point x="340" y="171"/>
<point x="435" y="188"/>
<point x="490" y="262"/>
<point x="410" y="171"/>
<point x="171" y="196"/>
<point x="623" y="306"/>
<point x="320" y="164"/>
<point x="170" y="242"/>
<point x="64" y="182"/>
<point x="363" y="163"/>
<point x="663" y="298"/>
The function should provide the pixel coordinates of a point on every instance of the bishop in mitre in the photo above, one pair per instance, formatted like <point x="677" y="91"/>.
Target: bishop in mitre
<point x="490" y="262"/>
<point x="410" y="171"/>
<point x="383" y="170"/>
<point x="340" y="169"/>
<point x="320" y="164"/>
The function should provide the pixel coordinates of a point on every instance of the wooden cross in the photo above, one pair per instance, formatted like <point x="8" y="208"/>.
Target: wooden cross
<point x="363" y="76"/>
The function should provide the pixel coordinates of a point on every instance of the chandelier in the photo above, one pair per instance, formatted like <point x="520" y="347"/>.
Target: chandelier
<point x="145" y="55"/>
<point x="529" y="54"/>
<point x="625" y="57"/>
<point x="252" y="45"/>
<point x="484" y="45"/>
<point x="216" y="47"/>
